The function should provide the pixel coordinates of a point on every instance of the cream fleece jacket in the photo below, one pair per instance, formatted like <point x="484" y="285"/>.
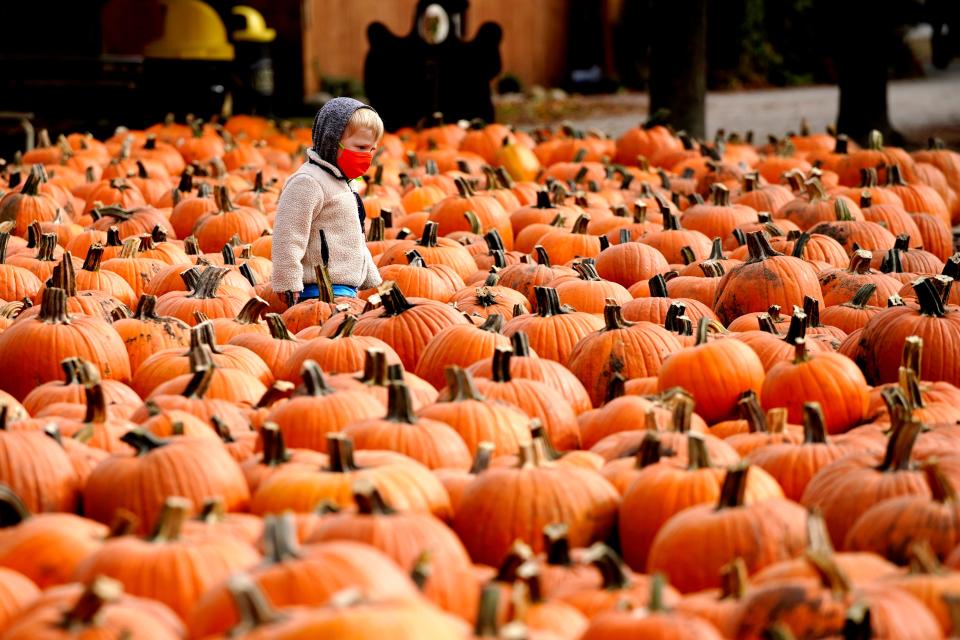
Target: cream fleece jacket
<point x="312" y="200"/>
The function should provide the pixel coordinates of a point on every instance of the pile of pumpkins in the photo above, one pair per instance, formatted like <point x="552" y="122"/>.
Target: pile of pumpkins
<point x="644" y="387"/>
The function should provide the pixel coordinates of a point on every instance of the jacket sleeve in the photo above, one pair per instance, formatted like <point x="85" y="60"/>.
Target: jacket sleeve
<point x="372" y="276"/>
<point x="291" y="231"/>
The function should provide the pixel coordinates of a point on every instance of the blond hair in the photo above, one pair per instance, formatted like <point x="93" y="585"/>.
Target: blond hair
<point x="365" y="118"/>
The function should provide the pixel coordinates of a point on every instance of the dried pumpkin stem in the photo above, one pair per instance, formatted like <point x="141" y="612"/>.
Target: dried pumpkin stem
<point x="734" y="487"/>
<point x="814" y="424"/>
<point x="96" y="595"/>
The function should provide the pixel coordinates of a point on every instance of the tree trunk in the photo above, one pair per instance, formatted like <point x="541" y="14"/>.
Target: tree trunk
<point x="861" y="70"/>
<point x="678" y="62"/>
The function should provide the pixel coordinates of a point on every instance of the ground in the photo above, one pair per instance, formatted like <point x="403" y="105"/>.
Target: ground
<point x="918" y="108"/>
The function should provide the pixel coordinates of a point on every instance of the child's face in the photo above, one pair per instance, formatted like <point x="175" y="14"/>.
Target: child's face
<point x="362" y="140"/>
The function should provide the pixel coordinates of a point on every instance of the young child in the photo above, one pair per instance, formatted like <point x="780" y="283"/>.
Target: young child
<point x="320" y="196"/>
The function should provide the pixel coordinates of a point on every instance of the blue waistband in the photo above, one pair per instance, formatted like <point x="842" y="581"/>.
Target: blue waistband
<point x="310" y="291"/>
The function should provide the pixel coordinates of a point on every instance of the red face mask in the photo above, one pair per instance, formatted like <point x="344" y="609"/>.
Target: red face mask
<point x="354" y="163"/>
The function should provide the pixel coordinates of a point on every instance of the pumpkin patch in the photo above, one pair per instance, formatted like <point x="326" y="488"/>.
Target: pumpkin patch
<point x="645" y="387"/>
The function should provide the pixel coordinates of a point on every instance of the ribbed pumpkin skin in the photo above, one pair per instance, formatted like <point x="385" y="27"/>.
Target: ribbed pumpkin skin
<point x="460" y="345"/>
<point x="666" y="488"/>
<point x="47" y="547"/>
<point x="538" y="400"/>
<point x="191" y="468"/>
<point x="409" y="331"/>
<point x="831" y="379"/>
<point x="176" y="573"/>
<point x="716" y="373"/>
<point x="535" y="496"/>
<point x="763" y="281"/>
<point x="632" y="351"/>
<point x="31" y="352"/>
<point x="630" y="262"/>
<point x="305" y="421"/>
<point x="37" y="470"/>
<point x="762" y="533"/>
<point x="403" y="537"/>
<point x="323" y="570"/>
<point x="847" y="488"/>
<point x="626" y="625"/>
<point x="17" y="592"/>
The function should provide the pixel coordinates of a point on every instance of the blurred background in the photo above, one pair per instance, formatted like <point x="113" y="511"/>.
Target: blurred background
<point x="761" y="65"/>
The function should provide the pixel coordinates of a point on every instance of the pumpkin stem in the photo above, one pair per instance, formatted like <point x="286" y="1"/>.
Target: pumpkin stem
<point x="94" y="257"/>
<point x="400" y="404"/>
<point x="860" y="262"/>
<point x="697" y="452"/>
<point x="53" y="307"/>
<point x="658" y="583"/>
<point x="931" y="304"/>
<point x="750" y="411"/>
<point x="923" y="559"/>
<point x="486" y="625"/>
<point x="12" y="509"/>
<point x="814" y="424"/>
<point x="374" y="368"/>
<point x="96" y="405"/>
<point x="252" y="310"/>
<point x="543" y="258"/>
<point x="520" y="342"/>
<point x="96" y="595"/>
<point x="314" y="382"/>
<point x="800" y="351"/>
<point x="208" y="282"/>
<point x="682" y="411"/>
<point x="429" y="237"/>
<point x="501" y="364"/>
<point x="394" y="302"/>
<point x="274" y="450"/>
<point x="422" y="570"/>
<point x="613" y="316"/>
<point x="671" y="321"/>
<point x="199" y="384"/>
<point x="703" y="330"/>
<point x="340" y="450"/>
<point x="941" y="488"/>
<point x="253" y="608"/>
<point x="831" y="575"/>
<point x="650" y="450"/>
<point x="278" y="328"/>
<point x="798" y="327"/>
<point x="857" y="623"/>
<point x="900" y="445"/>
<point x="910" y="386"/>
<point x="461" y="385"/>
<point x="172" y="516"/>
<point x="280" y="539"/>
<point x="895" y="177"/>
<point x="758" y="247"/>
<point x="734" y="580"/>
<point x="541" y="441"/>
<point x="734" y="487"/>
<point x="862" y="296"/>
<point x="800" y="245"/>
<point x="377" y="230"/>
<point x="610" y="566"/>
<point x="143" y="441"/>
<point x="482" y="458"/>
<point x="368" y="499"/>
